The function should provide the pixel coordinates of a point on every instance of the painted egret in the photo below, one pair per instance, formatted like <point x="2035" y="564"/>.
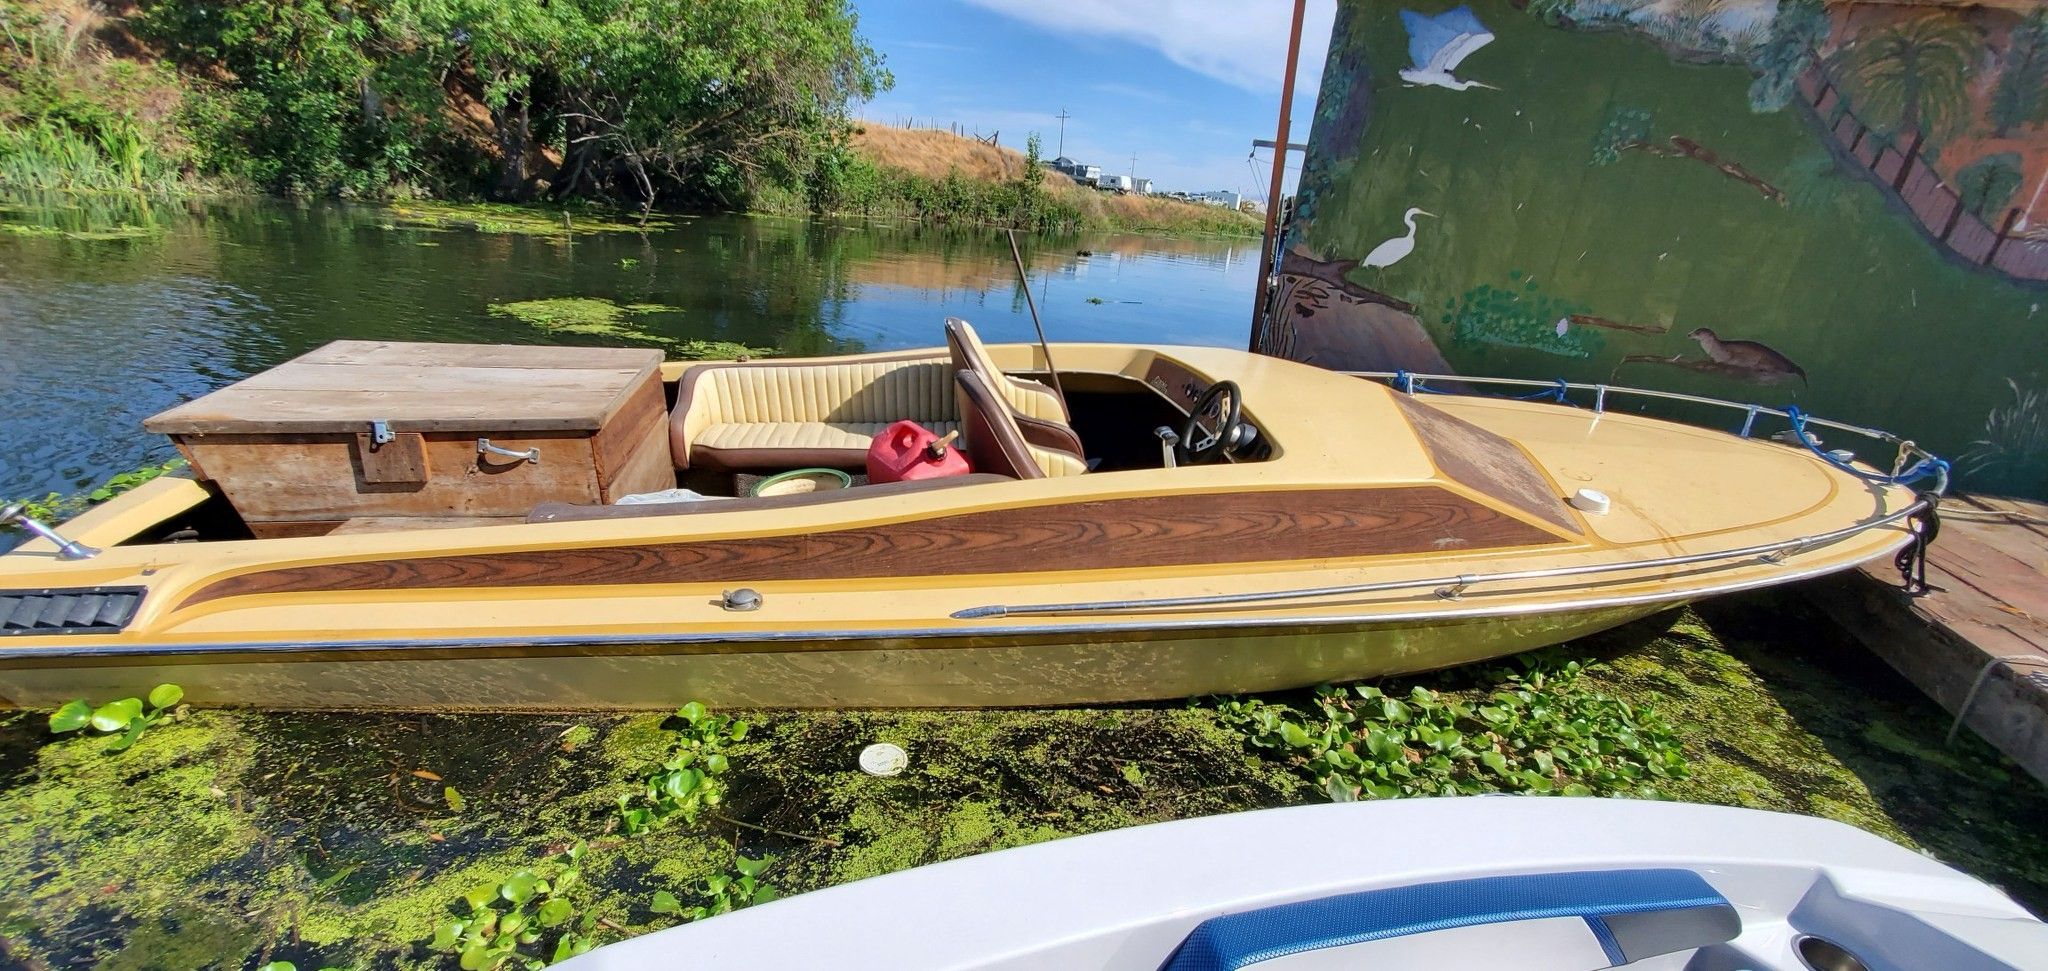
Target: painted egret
<point x="1437" y="45"/>
<point x="1394" y="250"/>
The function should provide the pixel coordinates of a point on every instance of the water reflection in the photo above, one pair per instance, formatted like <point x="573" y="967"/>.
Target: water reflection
<point x="100" y="333"/>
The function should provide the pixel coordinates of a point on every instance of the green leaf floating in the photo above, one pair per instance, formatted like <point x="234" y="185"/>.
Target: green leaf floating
<point x="122" y="742"/>
<point x="165" y="695"/>
<point x="555" y="912"/>
<point x="519" y="888"/>
<point x="116" y="715"/>
<point x="665" y="903"/>
<point x="74" y="715"/>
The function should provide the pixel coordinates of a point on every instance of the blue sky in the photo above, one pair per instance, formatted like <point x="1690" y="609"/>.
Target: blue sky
<point x="1185" y="85"/>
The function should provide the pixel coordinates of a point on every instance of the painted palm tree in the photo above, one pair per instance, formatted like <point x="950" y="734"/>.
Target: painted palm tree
<point x="1911" y="77"/>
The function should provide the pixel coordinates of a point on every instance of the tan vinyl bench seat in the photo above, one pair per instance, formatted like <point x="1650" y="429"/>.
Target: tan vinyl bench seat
<point x="849" y="437"/>
<point x="756" y="416"/>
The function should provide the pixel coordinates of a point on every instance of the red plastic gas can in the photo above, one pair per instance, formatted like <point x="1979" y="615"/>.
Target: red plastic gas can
<point x="908" y="450"/>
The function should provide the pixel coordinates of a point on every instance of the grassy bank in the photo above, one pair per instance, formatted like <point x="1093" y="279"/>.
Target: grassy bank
<point x="236" y="838"/>
<point x="938" y="176"/>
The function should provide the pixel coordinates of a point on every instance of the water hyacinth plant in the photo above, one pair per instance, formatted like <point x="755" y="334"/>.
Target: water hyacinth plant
<point x="687" y="782"/>
<point x="723" y="893"/>
<point x="509" y="924"/>
<point x="1539" y="731"/>
<point x="126" y="719"/>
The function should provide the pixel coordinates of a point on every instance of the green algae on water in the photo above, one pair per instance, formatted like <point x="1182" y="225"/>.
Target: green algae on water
<point x="599" y="317"/>
<point x="87" y="235"/>
<point x="499" y="218"/>
<point x="236" y="838"/>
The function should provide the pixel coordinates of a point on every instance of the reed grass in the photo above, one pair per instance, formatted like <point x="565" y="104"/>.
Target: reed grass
<point x="46" y="156"/>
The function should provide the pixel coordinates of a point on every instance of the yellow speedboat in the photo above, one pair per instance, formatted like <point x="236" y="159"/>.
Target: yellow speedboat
<point x="437" y="526"/>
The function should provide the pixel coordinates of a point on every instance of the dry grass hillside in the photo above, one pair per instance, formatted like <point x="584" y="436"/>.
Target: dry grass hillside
<point x="934" y="154"/>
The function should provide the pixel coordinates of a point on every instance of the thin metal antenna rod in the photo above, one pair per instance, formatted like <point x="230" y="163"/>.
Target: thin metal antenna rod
<point x="1024" y="280"/>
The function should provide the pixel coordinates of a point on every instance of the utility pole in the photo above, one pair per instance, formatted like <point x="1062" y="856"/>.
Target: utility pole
<point x="1063" y="116"/>
<point x="1264" y="285"/>
<point x="1134" y="165"/>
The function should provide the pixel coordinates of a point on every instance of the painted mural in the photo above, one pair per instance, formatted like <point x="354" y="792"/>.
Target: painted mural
<point x="1842" y="205"/>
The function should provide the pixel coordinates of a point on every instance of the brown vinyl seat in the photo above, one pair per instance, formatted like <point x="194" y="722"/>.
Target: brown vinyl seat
<point x="1032" y="409"/>
<point x="996" y="440"/>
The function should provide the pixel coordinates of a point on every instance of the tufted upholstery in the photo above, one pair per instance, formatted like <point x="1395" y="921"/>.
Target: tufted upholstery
<point x="772" y="415"/>
<point x="760" y="415"/>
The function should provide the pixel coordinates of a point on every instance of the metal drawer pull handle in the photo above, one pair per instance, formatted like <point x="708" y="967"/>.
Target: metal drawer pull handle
<point x="484" y="447"/>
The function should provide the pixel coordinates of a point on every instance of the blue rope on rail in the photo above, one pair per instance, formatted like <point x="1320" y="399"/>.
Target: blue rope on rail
<point x="1548" y="394"/>
<point x="1408" y="383"/>
<point x="1929" y="466"/>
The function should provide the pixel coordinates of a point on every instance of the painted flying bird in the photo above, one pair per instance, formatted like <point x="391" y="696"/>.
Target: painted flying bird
<point x="1748" y="355"/>
<point x="1394" y="250"/>
<point x="1438" y="44"/>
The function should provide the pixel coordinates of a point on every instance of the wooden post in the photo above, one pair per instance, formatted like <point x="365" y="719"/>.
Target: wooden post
<point x="2004" y="230"/>
<point x="1271" y="238"/>
<point x="1955" y="215"/>
<point x="1912" y="154"/>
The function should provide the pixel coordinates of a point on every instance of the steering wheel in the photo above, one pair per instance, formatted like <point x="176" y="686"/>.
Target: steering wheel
<point x="1191" y="450"/>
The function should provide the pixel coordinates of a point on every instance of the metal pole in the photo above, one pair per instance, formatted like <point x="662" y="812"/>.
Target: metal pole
<point x="1279" y="175"/>
<point x="1024" y="280"/>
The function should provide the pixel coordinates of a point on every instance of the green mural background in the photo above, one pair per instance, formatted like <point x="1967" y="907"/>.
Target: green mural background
<point x="1846" y="192"/>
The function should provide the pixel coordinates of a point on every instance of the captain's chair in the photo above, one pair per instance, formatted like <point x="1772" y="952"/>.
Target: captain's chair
<point x="1012" y="408"/>
<point x="995" y="436"/>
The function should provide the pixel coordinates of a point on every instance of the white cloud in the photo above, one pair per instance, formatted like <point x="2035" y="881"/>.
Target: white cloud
<point x="1239" y="43"/>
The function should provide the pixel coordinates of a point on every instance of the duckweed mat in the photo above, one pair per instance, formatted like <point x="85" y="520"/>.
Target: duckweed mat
<point x="232" y="839"/>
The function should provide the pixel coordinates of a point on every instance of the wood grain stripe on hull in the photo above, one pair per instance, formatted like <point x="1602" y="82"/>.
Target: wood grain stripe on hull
<point x="1153" y="531"/>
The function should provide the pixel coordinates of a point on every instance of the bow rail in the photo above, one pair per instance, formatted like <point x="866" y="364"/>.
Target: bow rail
<point x="1910" y="463"/>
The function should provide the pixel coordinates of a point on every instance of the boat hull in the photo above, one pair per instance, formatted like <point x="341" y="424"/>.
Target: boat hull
<point x="1013" y="667"/>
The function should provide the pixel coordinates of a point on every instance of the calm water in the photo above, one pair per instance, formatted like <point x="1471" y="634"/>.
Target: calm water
<point x="96" y="335"/>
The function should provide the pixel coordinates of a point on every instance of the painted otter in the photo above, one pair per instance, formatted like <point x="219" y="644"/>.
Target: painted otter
<point x="1748" y="356"/>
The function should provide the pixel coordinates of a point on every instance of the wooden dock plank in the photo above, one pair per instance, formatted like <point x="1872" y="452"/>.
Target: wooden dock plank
<point x="1987" y="601"/>
<point x="2027" y="514"/>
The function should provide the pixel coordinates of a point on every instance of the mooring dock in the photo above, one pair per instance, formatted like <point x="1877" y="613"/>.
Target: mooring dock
<point x="1977" y="640"/>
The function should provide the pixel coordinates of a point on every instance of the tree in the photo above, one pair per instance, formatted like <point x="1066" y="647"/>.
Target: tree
<point x="1030" y="185"/>
<point x="2022" y="91"/>
<point x="1987" y="184"/>
<point x="1912" y="77"/>
<point x="1797" y="33"/>
<point x="687" y="101"/>
<point x="710" y="96"/>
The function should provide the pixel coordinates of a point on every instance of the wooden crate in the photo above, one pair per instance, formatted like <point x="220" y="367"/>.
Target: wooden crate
<point x="294" y="447"/>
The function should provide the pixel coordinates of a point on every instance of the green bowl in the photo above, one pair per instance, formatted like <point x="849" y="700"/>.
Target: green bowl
<point x="799" y="481"/>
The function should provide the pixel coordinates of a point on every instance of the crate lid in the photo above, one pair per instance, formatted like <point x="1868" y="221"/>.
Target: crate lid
<point x="416" y="387"/>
